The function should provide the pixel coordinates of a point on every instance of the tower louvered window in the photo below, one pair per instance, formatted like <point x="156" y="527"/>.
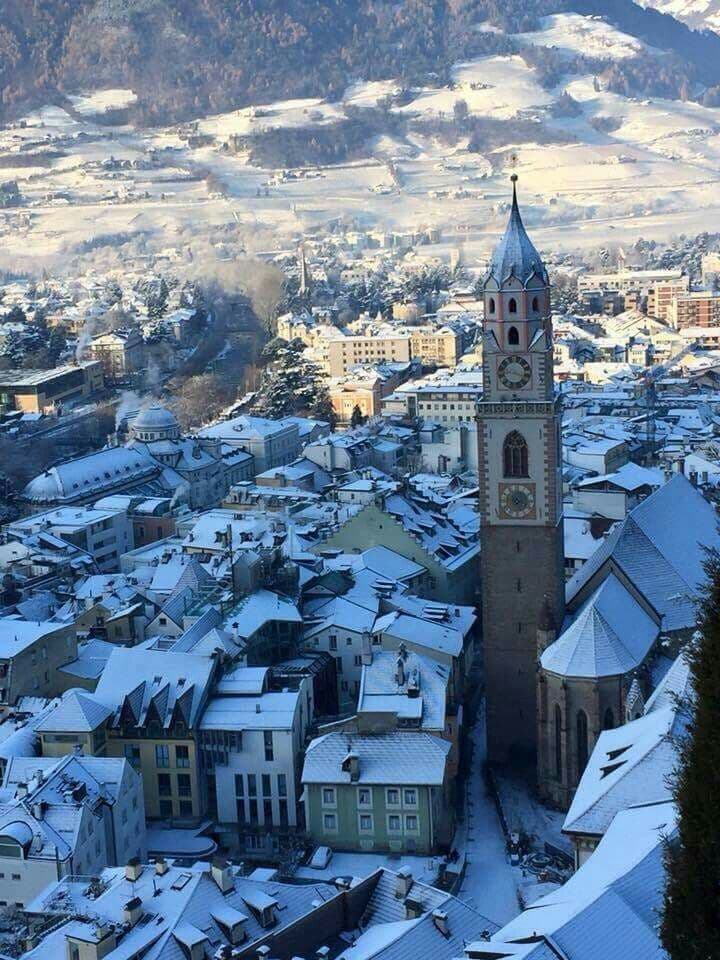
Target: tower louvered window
<point x="515" y="455"/>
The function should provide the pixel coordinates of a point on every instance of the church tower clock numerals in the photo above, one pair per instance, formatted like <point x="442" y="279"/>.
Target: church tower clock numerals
<point x="522" y="557"/>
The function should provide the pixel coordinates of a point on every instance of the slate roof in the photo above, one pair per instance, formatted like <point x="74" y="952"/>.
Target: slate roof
<point x="516" y="255"/>
<point x="610" y="635"/>
<point x="659" y="547"/>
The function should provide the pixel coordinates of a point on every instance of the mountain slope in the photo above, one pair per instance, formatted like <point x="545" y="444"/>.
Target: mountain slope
<point x="188" y="58"/>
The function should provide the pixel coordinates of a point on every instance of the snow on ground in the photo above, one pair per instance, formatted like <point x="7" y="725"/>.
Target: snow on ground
<point x="283" y="113"/>
<point x="648" y="168"/>
<point x="102" y="101"/>
<point x="699" y="14"/>
<point x="572" y="33"/>
<point x="489" y="881"/>
<point x="498" y="86"/>
<point x="424" y="869"/>
<point x="367" y="93"/>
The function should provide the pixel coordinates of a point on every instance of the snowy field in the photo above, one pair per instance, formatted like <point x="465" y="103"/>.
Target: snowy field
<point x="627" y="168"/>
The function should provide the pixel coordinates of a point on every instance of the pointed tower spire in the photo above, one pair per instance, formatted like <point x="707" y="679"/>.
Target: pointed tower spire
<point x="515" y="254"/>
<point x="305" y="279"/>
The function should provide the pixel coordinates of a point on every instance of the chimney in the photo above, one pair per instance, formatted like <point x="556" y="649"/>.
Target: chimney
<point x="133" y="911"/>
<point x="161" y="867"/>
<point x="38" y="809"/>
<point x="323" y="953"/>
<point x="404" y="882"/>
<point x="413" y="908"/>
<point x="440" y="919"/>
<point x="222" y="874"/>
<point x="21" y="790"/>
<point x="400" y="672"/>
<point x="351" y="765"/>
<point x="366" y="648"/>
<point x="263" y="952"/>
<point x="133" y="869"/>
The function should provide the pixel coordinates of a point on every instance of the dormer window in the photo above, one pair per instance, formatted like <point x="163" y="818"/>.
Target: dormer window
<point x="491" y="305"/>
<point x="535" y="304"/>
<point x="513" y="337"/>
<point x="512" y="305"/>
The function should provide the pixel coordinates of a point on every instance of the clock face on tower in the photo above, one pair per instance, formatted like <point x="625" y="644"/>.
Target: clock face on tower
<point x="514" y="372"/>
<point x="517" y="501"/>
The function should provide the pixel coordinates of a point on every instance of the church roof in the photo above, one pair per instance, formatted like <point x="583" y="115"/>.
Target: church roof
<point x="659" y="547"/>
<point x="155" y="417"/>
<point x="516" y="255"/>
<point x="611" y="635"/>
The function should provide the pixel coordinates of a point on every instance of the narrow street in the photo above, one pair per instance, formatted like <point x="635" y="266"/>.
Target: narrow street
<point x="488" y="884"/>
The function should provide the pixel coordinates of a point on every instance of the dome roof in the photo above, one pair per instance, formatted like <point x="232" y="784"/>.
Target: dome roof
<point x="155" y="417"/>
<point x="516" y="255"/>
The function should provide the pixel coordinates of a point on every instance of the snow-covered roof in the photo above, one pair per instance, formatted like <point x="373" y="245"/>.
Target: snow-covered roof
<point x="610" y="635"/>
<point x="608" y="908"/>
<point x="630" y="764"/>
<point x="392" y="758"/>
<point x="659" y="547"/>
<point x="77" y="712"/>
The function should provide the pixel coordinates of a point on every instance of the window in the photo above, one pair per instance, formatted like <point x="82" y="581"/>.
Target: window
<point x="491" y="304"/>
<point x="411" y="822"/>
<point x="410" y="797"/>
<point x="253" y="811"/>
<point x="394" y="823"/>
<point x="513" y="336"/>
<point x="608" y="719"/>
<point x="328" y="796"/>
<point x="239" y="785"/>
<point x="283" y="813"/>
<point x="515" y="455"/>
<point x="240" y="808"/>
<point x="164" y="788"/>
<point x="282" y="785"/>
<point x="535" y="304"/>
<point x="512" y="305"/>
<point x="558" y="742"/>
<point x="364" y="797"/>
<point x="182" y="757"/>
<point x="166" y="810"/>
<point x="266" y="788"/>
<point x="267" y="812"/>
<point x="329" y="821"/>
<point x="162" y="755"/>
<point x="582" y="740"/>
<point x="392" y="797"/>
<point x="132" y="754"/>
<point x="186" y="809"/>
<point x="252" y="785"/>
<point x="184" y="785"/>
<point x="365" y="822"/>
<point x="333" y="642"/>
<point x="269" y="752"/>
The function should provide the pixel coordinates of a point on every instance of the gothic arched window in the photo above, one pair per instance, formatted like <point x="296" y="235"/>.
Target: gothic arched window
<point x="558" y="742"/>
<point x="515" y="455"/>
<point x="512" y="305"/>
<point x="535" y="304"/>
<point x="513" y="336"/>
<point x="491" y="304"/>
<point x="582" y="741"/>
<point x="608" y="719"/>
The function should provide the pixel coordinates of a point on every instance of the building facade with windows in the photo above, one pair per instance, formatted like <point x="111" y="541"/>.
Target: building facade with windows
<point x="386" y="792"/>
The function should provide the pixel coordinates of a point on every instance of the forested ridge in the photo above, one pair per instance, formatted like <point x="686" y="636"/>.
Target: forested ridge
<point x="187" y="58"/>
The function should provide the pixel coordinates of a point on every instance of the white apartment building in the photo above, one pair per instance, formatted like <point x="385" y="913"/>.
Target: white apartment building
<point x="251" y="741"/>
<point x="72" y="816"/>
<point x="272" y="442"/>
<point x="105" y="534"/>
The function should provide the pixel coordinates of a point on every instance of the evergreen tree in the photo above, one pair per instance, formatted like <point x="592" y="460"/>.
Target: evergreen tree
<point x="356" y="417"/>
<point x="690" y="928"/>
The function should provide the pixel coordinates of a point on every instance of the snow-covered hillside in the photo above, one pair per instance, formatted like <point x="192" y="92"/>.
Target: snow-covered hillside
<point x="594" y="165"/>
<point x="698" y="14"/>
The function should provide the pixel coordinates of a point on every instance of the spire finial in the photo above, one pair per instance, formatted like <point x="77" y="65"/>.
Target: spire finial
<point x="513" y="180"/>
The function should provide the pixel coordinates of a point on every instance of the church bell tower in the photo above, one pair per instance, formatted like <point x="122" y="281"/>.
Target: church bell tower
<point x="522" y="553"/>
